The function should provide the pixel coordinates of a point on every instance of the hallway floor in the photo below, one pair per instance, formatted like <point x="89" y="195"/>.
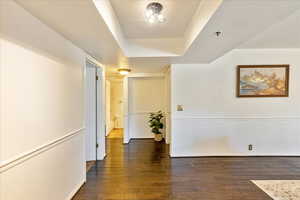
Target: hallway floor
<point x="115" y="133"/>
<point x="89" y="165"/>
<point x="142" y="170"/>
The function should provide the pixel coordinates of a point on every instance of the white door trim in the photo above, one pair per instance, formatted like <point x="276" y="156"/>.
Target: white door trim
<point x="101" y="114"/>
<point x="126" y="138"/>
<point x="100" y="71"/>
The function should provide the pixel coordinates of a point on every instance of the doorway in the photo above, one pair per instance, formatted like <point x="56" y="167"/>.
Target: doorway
<point x="114" y="108"/>
<point x="146" y="93"/>
<point x="94" y="111"/>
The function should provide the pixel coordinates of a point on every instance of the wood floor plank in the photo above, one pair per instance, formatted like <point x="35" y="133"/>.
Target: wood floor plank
<point x="142" y="170"/>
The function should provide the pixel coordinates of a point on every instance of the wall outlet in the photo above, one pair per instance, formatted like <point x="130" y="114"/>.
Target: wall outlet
<point x="179" y="108"/>
<point x="250" y="147"/>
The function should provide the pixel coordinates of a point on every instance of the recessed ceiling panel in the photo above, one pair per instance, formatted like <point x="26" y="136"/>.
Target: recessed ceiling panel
<point x="131" y="15"/>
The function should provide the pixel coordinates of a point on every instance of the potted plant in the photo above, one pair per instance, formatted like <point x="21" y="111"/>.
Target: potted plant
<point x="156" y="125"/>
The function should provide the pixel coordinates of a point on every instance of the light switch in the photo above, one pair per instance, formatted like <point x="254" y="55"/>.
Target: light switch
<point x="179" y="108"/>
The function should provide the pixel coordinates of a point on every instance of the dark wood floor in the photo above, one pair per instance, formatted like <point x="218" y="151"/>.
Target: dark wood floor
<point x="142" y="170"/>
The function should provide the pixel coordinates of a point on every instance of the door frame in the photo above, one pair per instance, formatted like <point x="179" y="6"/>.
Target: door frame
<point x="126" y="80"/>
<point x="100" y="106"/>
<point x="107" y="107"/>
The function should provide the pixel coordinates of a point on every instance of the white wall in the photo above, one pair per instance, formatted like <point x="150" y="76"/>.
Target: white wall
<point x="109" y="124"/>
<point x="216" y="122"/>
<point x="145" y="95"/>
<point x="42" y="112"/>
<point x="117" y="114"/>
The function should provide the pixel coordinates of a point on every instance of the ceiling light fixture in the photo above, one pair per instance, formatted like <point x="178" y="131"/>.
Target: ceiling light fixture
<point x="153" y="13"/>
<point x="124" y="71"/>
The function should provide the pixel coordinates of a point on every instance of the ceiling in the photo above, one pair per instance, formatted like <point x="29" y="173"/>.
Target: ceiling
<point x="238" y="24"/>
<point x="112" y="30"/>
<point x="131" y="15"/>
<point x="94" y="37"/>
<point x="285" y="34"/>
<point x="142" y="65"/>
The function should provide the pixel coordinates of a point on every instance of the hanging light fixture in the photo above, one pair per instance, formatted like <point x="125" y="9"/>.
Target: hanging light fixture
<point x="124" y="71"/>
<point x="153" y="13"/>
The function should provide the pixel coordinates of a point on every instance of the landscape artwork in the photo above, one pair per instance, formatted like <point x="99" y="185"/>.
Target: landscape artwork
<point x="263" y="81"/>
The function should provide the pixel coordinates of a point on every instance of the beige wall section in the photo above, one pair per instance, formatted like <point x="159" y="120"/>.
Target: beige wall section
<point x="117" y="114"/>
<point x="109" y="122"/>
<point x="167" y="118"/>
<point x="215" y="122"/>
<point x="42" y="109"/>
<point x="145" y="95"/>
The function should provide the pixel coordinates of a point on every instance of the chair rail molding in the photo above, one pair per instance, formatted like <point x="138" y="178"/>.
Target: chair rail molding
<point x="233" y="116"/>
<point x="10" y="163"/>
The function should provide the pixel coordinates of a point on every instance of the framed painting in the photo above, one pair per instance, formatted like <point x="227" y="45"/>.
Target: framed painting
<point x="263" y="80"/>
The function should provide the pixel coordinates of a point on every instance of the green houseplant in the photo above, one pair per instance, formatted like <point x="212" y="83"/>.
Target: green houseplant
<point x="156" y="125"/>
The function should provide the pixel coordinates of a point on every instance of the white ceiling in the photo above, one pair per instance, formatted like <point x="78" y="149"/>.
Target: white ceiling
<point x="244" y="24"/>
<point x="142" y="65"/>
<point x="285" y="34"/>
<point x="79" y="21"/>
<point x="131" y="15"/>
<point x="160" y="46"/>
<point x="239" y="21"/>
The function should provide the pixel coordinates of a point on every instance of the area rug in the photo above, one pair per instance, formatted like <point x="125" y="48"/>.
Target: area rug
<point x="280" y="189"/>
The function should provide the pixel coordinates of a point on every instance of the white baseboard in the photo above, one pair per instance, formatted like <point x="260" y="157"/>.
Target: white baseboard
<point x="232" y="155"/>
<point x="109" y="130"/>
<point x="126" y="141"/>
<point x="76" y="189"/>
<point x="101" y="157"/>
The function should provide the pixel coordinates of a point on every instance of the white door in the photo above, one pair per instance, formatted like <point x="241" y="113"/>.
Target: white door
<point x="95" y="113"/>
<point x="100" y="88"/>
<point x="91" y="105"/>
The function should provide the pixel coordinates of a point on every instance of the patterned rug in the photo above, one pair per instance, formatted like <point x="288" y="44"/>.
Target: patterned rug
<point x="280" y="189"/>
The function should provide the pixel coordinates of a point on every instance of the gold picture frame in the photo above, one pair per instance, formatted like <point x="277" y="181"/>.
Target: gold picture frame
<point x="263" y="80"/>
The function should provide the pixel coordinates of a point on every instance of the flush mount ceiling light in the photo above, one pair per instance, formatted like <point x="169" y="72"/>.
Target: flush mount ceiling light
<point x="124" y="71"/>
<point x="153" y="13"/>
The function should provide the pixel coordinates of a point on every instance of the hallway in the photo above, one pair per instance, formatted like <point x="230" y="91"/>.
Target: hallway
<point x="79" y="80"/>
<point x="142" y="170"/>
